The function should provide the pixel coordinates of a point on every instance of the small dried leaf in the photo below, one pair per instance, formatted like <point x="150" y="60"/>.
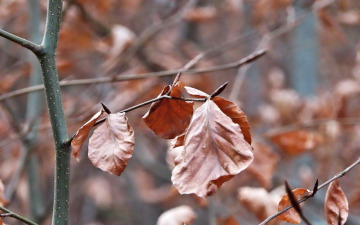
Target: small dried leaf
<point x="291" y="216"/>
<point x="112" y="144"/>
<point x="195" y="92"/>
<point x="3" y="202"/>
<point x="169" y="118"/>
<point x="335" y="203"/>
<point x="177" y="216"/>
<point x="297" y="141"/>
<point x="82" y="134"/>
<point x="214" y="151"/>
<point x="227" y="221"/>
<point x="236" y="115"/>
<point x="264" y="164"/>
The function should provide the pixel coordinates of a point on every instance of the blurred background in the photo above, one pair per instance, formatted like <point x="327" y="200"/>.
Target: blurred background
<point x="301" y="99"/>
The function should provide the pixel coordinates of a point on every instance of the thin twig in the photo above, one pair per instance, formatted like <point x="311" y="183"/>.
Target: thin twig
<point x="341" y="174"/>
<point x="37" y="49"/>
<point x="252" y="57"/>
<point x="18" y="217"/>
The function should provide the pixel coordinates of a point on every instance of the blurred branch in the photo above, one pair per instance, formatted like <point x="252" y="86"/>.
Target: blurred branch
<point x="252" y="57"/>
<point x="311" y="124"/>
<point x="150" y="32"/>
<point x="16" y="216"/>
<point x="339" y="175"/>
<point x="37" y="49"/>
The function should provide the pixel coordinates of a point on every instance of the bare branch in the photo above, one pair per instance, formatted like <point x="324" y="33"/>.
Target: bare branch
<point x="16" y="216"/>
<point x="36" y="49"/>
<point x="252" y="57"/>
<point x="339" y="175"/>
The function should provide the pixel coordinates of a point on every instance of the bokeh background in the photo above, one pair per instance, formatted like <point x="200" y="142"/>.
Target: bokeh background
<point x="301" y="99"/>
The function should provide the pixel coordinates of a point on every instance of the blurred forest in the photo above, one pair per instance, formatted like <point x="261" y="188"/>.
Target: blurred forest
<point x="301" y="100"/>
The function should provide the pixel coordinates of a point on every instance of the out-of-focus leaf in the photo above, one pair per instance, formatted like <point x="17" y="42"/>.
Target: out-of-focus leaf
<point x="177" y="216"/>
<point x="112" y="144"/>
<point x="82" y="134"/>
<point x="297" y="141"/>
<point x="259" y="201"/>
<point x="169" y="118"/>
<point x="214" y="151"/>
<point x="227" y="221"/>
<point x="264" y="164"/>
<point x="335" y="203"/>
<point x="291" y="216"/>
<point x="201" y="14"/>
<point x="3" y="202"/>
<point x="236" y="115"/>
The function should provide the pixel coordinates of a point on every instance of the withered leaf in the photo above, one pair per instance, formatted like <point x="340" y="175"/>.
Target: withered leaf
<point x="169" y="118"/>
<point x="335" y="203"/>
<point x="177" y="216"/>
<point x="227" y="221"/>
<point x="296" y="141"/>
<point x="82" y="134"/>
<point x="264" y="164"/>
<point x="112" y="144"/>
<point x="236" y="115"/>
<point x="214" y="151"/>
<point x="291" y="216"/>
<point x="196" y="92"/>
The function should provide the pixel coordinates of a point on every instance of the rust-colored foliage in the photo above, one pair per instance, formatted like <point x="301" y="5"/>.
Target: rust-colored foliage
<point x="236" y="115"/>
<point x="336" y="204"/>
<point x="264" y="164"/>
<point x="168" y="118"/>
<point x="297" y="141"/>
<point x="291" y="216"/>
<point x="2" y="199"/>
<point x="214" y="151"/>
<point x="227" y="221"/>
<point x="177" y="216"/>
<point x="112" y="144"/>
<point x="82" y="134"/>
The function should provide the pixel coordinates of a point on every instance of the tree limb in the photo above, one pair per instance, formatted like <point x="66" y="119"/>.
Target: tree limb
<point x="36" y="49"/>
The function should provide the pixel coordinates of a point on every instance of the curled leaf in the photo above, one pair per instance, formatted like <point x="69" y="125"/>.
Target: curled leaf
<point x="236" y="115"/>
<point x="195" y="92"/>
<point x="169" y="118"/>
<point x="291" y="216"/>
<point x="83" y="133"/>
<point x="177" y="216"/>
<point x="336" y="204"/>
<point x="214" y="151"/>
<point x="112" y="144"/>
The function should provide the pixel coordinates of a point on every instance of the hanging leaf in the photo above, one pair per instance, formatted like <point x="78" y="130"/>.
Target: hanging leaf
<point x="214" y="151"/>
<point x="169" y="118"/>
<point x="236" y="115"/>
<point x="335" y="203"/>
<point x="112" y="144"/>
<point x="177" y="216"/>
<point x="195" y="92"/>
<point x="291" y="216"/>
<point x="82" y="134"/>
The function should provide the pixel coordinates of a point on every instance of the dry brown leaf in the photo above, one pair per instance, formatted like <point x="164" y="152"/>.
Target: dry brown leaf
<point x="82" y="134"/>
<point x="201" y="14"/>
<point x="177" y="216"/>
<point x="214" y="151"/>
<point x="169" y="118"/>
<point x="297" y="141"/>
<point x="195" y="92"/>
<point x="112" y="144"/>
<point x="236" y="115"/>
<point x="3" y="202"/>
<point x="264" y="164"/>
<point x="291" y="216"/>
<point x="227" y="221"/>
<point x="335" y="203"/>
<point x="260" y="202"/>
